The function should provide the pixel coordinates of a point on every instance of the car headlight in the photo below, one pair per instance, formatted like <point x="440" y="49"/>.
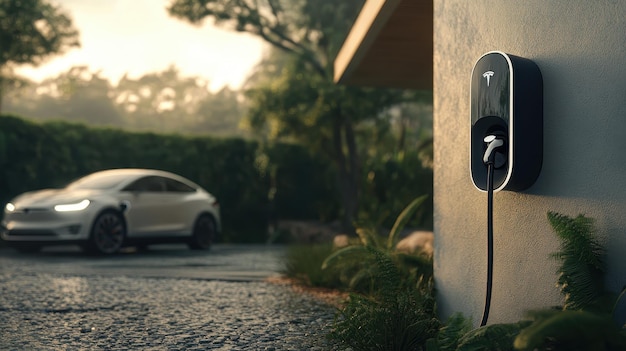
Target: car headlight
<point x="9" y="207"/>
<point x="78" y="206"/>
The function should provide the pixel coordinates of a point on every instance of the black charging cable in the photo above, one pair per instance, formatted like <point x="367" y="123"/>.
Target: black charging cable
<point x="493" y="142"/>
<point x="490" y="168"/>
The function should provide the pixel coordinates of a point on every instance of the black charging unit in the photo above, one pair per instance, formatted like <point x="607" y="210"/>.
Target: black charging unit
<point x="506" y="101"/>
<point x="506" y="136"/>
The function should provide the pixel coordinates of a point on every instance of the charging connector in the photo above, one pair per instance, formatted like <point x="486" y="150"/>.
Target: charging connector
<point x="493" y="142"/>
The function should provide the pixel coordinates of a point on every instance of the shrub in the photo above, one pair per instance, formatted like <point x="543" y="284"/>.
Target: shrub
<point x="385" y="185"/>
<point x="397" y="317"/>
<point x="359" y="266"/>
<point x="304" y="264"/>
<point x="397" y="311"/>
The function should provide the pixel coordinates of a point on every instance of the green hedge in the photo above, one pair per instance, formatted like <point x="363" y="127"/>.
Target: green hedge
<point x="390" y="184"/>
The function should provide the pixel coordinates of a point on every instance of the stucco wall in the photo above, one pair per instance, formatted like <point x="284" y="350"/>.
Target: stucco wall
<point x="580" y="47"/>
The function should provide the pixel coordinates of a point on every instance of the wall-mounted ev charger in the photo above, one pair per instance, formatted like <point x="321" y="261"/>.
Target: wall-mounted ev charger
<point x="507" y="104"/>
<point x="506" y="136"/>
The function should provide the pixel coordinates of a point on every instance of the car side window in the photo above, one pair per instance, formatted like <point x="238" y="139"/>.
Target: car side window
<point x="147" y="184"/>
<point x="172" y="185"/>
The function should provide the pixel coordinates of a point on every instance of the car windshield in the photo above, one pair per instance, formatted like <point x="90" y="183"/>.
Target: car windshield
<point x="98" y="181"/>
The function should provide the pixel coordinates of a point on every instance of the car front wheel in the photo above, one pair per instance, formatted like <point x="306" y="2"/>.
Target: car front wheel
<point x="107" y="233"/>
<point x="204" y="232"/>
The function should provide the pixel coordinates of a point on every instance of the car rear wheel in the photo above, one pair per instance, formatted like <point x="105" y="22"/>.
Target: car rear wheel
<point x="204" y="232"/>
<point x="107" y="233"/>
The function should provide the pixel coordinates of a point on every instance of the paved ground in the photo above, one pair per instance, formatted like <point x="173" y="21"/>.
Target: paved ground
<point x="166" y="299"/>
<point x="222" y="262"/>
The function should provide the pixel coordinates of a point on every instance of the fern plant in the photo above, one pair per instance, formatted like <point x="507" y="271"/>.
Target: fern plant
<point x="398" y="313"/>
<point x="357" y="263"/>
<point x="396" y="318"/>
<point x="581" y="273"/>
<point x="450" y="334"/>
<point x="585" y="321"/>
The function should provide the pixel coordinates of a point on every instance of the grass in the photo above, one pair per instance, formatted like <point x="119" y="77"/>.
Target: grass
<point x="303" y="263"/>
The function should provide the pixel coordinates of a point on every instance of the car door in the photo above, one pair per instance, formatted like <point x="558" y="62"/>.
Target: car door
<point x="181" y="205"/>
<point x="146" y="215"/>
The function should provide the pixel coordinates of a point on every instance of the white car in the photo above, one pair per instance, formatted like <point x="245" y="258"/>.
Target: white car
<point x="108" y="210"/>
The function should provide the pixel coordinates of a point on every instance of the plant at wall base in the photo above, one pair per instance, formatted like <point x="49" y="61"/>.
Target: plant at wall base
<point x="398" y="311"/>
<point x="450" y="333"/>
<point x="581" y="273"/>
<point x="586" y="320"/>
<point x="458" y="335"/>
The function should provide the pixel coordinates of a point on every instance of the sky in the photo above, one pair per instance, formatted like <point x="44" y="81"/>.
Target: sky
<point x="136" y="37"/>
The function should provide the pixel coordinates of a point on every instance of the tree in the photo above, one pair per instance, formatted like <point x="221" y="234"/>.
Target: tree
<point x="84" y="97"/>
<point x="30" y="32"/>
<point x="77" y="95"/>
<point x="219" y="114"/>
<point x="302" y="103"/>
<point x="161" y="101"/>
<point x="168" y="102"/>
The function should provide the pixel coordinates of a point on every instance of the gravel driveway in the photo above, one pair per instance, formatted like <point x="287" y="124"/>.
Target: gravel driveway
<point x="60" y="311"/>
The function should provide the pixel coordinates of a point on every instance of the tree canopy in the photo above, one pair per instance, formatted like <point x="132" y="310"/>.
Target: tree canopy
<point x="310" y="29"/>
<point x="298" y="100"/>
<point x="163" y="101"/>
<point x="30" y="32"/>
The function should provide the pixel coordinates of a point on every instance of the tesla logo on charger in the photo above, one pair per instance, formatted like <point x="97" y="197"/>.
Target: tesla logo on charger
<point x="488" y="76"/>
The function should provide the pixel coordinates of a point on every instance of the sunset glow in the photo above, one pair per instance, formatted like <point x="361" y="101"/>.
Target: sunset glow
<point x="136" y="37"/>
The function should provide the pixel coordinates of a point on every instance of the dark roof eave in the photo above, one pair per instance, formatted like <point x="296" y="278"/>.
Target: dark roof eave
<point x="389" y="45"/>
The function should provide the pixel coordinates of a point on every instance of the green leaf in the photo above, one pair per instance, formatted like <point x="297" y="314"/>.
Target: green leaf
<point x="617" y="301"/>
<point x="402" y="219"/>
<point x="491" y="337"/>
<point x="581" y="273"/>
<point x="367" y="236"/>
<point x="567" y="330"/>
<point x="348" y="251"/>
<point x="450" y="335"/>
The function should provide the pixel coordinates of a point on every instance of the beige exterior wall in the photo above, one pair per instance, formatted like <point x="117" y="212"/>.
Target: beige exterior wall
<point x="580" y="47"/>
